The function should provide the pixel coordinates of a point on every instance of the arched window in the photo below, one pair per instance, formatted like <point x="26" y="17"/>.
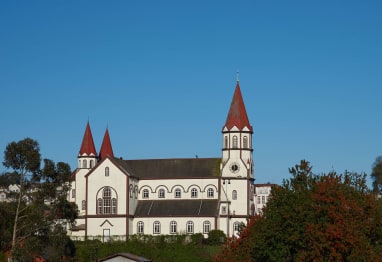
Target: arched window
<point x="234" y="195"/>
<point x="245" y="142"/>
<point x="194" y="193"/>
<point x="173" y="228"/>
<point x="234" y="142"/>
<point x="140" y="227"/>
<point x="210" y="193"/>
<point x="190" y="227"/>
<point x="145" y="193"/>
<point x="178" y="193"/>
<point x="156" y="228"/>
<point x="225" y="141"/>
<point x="91" y="163"/>
<point x="84" y="163"/>
<point x="206" y="227"/>
<point x="107" y="171"/>
<point x="107" y="201"/>
<point x="83" y="204"/>
<point x="161" y="193"/>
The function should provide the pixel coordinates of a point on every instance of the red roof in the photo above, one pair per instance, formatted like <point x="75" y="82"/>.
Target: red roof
<point x="87" y="146"/>
<point x="106" y="148"/>
<point x="237" y="115"/>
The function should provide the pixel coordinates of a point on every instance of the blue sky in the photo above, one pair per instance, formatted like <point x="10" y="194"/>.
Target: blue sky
<point x="161" y="75"/>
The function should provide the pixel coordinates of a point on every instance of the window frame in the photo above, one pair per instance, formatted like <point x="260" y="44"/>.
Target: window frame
<point x="173" y="227"/>
<point x="145" y="194"/>
<point x="235" y="143"/>
<point x="234" y="195"/>
<point x="178" y="193"/>
<point x="245" y="142"/>
<point x="194" y="193"/>
<point x="140" y="227"/>
<point x="190" y="227"/>
<point x="161" y="193"/>
<point x="210" y="192"/>
<point x="206" y="227"/>
<point x="156" y="227"/>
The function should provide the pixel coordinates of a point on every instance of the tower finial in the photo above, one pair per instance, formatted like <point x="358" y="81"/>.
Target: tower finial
<point x="237" y="76"/>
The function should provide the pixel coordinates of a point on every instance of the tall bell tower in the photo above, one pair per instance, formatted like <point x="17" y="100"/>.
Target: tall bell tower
<point x="237" y="140"/>
<point x="236" y="180"/>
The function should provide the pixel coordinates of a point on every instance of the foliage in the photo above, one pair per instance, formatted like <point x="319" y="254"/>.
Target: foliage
<point x="41" y="209"/>
<point x="157" y="248"/>
<point x="312" y="217"/>
<point x="9" y="178"/>
<point x="376" y="175"/>
<point x="216" y="237"/>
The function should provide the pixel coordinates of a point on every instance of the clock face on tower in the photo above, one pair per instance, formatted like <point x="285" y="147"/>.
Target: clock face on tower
<point x="234" y="167"/>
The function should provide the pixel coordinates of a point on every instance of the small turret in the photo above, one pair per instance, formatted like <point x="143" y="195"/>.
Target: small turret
<point x="87" y="157"/>
<point x="106" y="148"/>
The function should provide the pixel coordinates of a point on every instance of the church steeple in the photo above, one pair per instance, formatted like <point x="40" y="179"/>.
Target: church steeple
<point x="106" y="148"/>
<point x="237" y="115"/>
<point x="237" y="139"/>
<point x="87" y="150"/>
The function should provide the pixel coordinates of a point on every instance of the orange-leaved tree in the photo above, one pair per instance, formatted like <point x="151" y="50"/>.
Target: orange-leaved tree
<point x="329" y="217"/>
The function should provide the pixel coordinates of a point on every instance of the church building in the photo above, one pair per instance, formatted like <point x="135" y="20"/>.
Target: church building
<point x="117" y="198"/>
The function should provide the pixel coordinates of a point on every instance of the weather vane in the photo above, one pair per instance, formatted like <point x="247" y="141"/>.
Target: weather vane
<point x="237" y="76"/>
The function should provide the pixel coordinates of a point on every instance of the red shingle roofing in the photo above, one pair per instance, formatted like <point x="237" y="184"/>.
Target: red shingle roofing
<point x="237" y="115"/>
<point x="87" y="146"/>
<point x="106" y="148"/>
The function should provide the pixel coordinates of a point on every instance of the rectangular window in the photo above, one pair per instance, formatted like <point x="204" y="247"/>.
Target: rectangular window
<point x="156" y="227"/>
<point x="106" y="235"/>
<point x="73" y="193"/>
<point x="106" y="205"/>
<point x="263" y="199"/>
<point x="206" y="227"/>
<point x="224" y="210"/>
<point x="145" y="193"/>
<point x="258" y="200"/>
<point x="173" y="227"/>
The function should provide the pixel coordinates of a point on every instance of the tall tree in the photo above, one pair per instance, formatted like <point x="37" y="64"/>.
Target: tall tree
<point x="376" y="175"/>
<point x="329" y="217"/>
<point x="24" y="158"/>
<point x="42" y="209"/>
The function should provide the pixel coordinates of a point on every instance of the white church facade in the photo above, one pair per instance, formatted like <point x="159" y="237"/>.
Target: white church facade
<point x="118" y="198"/>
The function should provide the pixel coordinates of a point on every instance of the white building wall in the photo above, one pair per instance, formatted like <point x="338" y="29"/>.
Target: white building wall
<point x="261" y="196"/>
<point x="114" y="225"/>
<point x="185" y="185"/>
<point x="181" y="222"/>
<point x="98" y="180"/>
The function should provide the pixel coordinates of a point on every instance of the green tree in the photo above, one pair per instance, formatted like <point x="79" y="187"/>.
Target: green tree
<point x="41" y="210"/>
<point x="376" y="175"/>
<point x="9" y="178"/>
<point x="329" y="217"/>
<point x="24" y="158"/>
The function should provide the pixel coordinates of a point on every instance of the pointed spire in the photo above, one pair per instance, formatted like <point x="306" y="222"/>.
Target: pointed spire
<point x="106" y="148"/>
<point x="87" y="146"/>
<point x="237" y="115"/>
